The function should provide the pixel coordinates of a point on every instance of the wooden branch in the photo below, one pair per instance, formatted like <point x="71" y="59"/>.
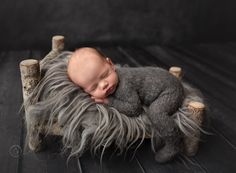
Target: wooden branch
<point x="58" y="43"/>
<point x="176" y="71"/>
<point x="57" y="48"/>
<point x="197" y="114"/>
<point x="30" y="76"/>
<point x="191" y="143"/>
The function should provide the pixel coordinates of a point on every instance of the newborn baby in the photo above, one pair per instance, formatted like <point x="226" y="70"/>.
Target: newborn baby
<point x="128" y="90"/>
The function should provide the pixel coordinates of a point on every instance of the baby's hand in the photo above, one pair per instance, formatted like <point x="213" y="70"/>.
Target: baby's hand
<point x="100" y="100"/>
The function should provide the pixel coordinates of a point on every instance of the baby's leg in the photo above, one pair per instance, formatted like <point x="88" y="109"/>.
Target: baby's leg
<point x="160" y="113"/>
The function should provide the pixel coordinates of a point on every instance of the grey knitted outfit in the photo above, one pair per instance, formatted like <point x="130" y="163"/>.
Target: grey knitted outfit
<point x="162" y="94"/>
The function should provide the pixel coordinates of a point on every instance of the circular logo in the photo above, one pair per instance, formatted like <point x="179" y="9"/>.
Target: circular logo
<point x="15" y="151"/>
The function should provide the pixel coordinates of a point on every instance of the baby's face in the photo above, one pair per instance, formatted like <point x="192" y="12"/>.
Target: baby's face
<point x="97" y="76"/>
<point x="101" y="81"/>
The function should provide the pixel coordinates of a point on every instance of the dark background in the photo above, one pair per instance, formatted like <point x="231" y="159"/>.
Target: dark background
<point x="197" y="35"/>
<point x="31" y="23"/>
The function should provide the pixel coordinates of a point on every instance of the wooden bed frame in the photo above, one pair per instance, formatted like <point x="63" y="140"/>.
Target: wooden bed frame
<point x="30" y="76"/>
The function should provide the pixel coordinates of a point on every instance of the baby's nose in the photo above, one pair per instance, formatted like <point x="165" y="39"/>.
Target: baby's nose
<point x="104" y="84"/>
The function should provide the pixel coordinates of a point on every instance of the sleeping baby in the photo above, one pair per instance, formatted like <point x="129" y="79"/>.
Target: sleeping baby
<point x="129" y="89"/>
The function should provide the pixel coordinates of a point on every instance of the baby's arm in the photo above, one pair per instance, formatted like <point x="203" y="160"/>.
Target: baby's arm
<point x="100" y="100"/>
<point x="127" y="103"/>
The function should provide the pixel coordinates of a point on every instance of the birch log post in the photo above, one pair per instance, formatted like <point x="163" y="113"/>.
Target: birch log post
<point x="196" y="109"/>
<point x="192" y="143"/>
<point x="57" y="48"/>
<point x="176" y="71"/>
<point x="30" y="76"/>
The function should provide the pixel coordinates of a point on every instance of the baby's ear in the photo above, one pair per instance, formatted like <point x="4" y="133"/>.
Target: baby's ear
<point x="110" y="63"/>
<point x="109" y="60"/>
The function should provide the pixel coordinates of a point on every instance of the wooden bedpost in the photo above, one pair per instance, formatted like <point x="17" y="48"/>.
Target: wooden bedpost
<point x="30" y="68"/>
<point x="197" y="110"/>
<point x="57" y="48"/>
<point x="30" y="76"/>
<point x="58" y="42"/>
<point x="176" y="71"/>
<point x="192" y="143"/>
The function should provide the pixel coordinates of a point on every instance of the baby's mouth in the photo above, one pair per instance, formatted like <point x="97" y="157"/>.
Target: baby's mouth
<point x="110" y="90"/>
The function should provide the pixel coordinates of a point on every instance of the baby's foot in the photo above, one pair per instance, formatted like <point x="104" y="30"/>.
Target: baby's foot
<point x="167" y="153"/>
<point x="157" y="142"/>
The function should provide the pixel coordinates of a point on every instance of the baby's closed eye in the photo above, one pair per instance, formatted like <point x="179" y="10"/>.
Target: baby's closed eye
<point x="93" y="88"/>
<point x="104" y="75"/>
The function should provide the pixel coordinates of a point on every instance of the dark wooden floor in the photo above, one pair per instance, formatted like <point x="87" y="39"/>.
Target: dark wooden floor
<point x="209" y="67"/>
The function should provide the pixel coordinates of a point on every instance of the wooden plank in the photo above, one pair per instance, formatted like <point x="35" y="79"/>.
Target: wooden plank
<point x="48" y="161"/>
<point x="215" y="155"/>
<point x="211" y="62"/>
<point x="141" y="58"/>
<point x="10" y="118"/>
<point x="110" y="163"/>
<point x="117" y="56"/>
<point x="221" y="51"/>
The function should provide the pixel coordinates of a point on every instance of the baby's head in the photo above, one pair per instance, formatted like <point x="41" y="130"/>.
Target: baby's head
<point x="93" y="72"/>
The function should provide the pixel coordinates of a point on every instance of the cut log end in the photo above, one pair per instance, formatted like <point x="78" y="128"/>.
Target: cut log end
<point x="176" y="71"/>
<point x="58" y="42"/>
<point x="196" y="105"/>
<point x="197" y="109"/>
<point x="58" y="37"/>
<point x="29" y="62"/>
<point x="30" y="75"/>
<point x="192" y="142"/>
